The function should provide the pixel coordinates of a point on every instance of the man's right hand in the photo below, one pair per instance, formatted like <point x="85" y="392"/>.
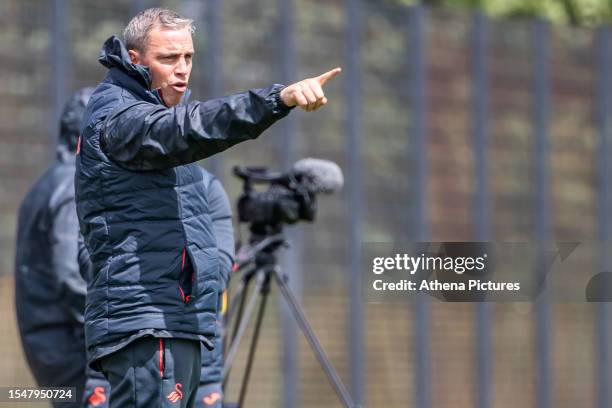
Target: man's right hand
<point x="308" y="93"/>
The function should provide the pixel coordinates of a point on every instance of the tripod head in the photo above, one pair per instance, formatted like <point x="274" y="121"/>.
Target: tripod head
<point x="261" y="251"/>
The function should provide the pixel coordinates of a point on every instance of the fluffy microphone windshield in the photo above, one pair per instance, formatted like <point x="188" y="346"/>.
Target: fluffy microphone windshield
<point x="322" y="176"/>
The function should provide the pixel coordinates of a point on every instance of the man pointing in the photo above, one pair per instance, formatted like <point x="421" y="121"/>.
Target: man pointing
<point x="144" y="211"/>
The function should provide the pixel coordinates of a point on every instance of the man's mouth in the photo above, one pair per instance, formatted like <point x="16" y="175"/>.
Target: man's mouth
<point x="180" y="86"/>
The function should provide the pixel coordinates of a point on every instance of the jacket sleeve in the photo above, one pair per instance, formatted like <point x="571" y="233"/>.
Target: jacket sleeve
<point x="221" y="212"/>
<point x="145" y="136"/>
<point x="68" y="282"/>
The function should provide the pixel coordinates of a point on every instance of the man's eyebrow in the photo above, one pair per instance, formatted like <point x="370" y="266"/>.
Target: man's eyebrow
<point x="174" y="54"/>
<point x="169" y="54"/>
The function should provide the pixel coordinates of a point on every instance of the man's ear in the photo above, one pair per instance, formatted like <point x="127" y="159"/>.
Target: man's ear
<point x="134" y="56"/>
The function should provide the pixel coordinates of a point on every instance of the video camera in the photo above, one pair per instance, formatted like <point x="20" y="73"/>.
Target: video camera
<point x="290" y="197"/>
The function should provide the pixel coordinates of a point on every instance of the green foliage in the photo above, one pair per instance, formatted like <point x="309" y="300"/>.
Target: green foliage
<point x="586" y="13"/>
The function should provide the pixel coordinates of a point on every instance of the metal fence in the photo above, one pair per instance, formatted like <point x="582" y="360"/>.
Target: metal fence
<point x="448" y="127"/>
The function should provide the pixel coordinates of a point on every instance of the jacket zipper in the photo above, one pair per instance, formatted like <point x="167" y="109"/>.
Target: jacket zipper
<point x="161" y="358"/>
<point x="185" y="298"/>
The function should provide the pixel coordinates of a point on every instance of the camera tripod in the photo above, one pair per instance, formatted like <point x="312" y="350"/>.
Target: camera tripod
<point x="258" y="264"/>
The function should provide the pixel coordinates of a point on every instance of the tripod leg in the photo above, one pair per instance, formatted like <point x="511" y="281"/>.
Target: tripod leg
<point x="260" y="314"/>
<point x="237" y="295"/>
<point x="300" y="317"/>
<point x="244" y="321"/>
<point x="227" y="319"/>
<point x="244" y="283"/>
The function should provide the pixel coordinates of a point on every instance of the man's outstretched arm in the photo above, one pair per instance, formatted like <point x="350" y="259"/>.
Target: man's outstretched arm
<point x="144" y="136"/>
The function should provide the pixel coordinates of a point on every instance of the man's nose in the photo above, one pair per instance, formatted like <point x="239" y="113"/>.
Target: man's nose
<point x="181" y="67"/>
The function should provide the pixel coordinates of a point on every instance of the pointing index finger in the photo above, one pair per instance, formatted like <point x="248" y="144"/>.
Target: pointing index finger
<point x="323" y="78"/>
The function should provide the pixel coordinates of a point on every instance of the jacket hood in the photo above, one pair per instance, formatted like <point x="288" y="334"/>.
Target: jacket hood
<point x="114" y="55"/>
<point x="70" y="121"/>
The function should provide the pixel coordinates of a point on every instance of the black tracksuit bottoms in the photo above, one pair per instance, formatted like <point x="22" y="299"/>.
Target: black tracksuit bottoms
<point x="154" y="372"/>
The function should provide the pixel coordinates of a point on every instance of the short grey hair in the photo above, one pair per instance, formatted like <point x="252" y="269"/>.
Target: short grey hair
<point x="136" y="33"/>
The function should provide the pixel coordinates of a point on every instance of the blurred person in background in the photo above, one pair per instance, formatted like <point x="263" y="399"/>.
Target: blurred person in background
<point x="145" y="213"/>
<point x="49" y="289"/>
<point x="210" y="392"/>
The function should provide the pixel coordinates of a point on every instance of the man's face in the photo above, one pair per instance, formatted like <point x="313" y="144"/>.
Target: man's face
<point x="168" y="55"/>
